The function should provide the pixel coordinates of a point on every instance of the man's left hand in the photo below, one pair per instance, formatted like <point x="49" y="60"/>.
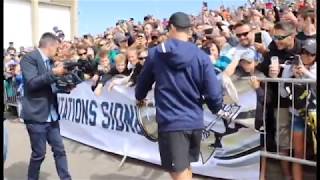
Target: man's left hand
<point x="95" y="78"/>
<point x="141" y="103"/>
<point x="254" y="82"/>
<point x="260" y="48"/>
<point x="301" y="69"/>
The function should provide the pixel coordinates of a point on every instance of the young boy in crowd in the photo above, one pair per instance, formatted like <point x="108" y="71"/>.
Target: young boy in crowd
<point x="119" y="68"/>
<point x="247" y="68"/>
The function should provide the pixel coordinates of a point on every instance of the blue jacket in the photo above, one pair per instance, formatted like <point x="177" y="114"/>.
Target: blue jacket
<point x="185" y="79"/>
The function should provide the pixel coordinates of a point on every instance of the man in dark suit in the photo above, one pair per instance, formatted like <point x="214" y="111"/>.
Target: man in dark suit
<point x="39" y="106"/>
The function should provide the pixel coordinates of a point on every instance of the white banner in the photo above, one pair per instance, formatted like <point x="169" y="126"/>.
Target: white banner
<point x="110" y="123"/>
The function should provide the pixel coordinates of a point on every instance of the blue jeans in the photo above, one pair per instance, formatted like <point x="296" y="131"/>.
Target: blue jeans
<point x="298" y="124"/>
<point x="39" y="134"/>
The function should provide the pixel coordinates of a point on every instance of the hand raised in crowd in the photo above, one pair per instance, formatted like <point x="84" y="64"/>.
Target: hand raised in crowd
<point x="129" y="84"/>
<point x="290" y="17"/>
<point x="226" y="34"/>
<point x="17" y="70"/>
<point x="274" y="70"/>
<point x="98" y="90"/>
<point x="86" y="76"/>
<point x="90" y="52"/>
<point x="95" y="78"/>
<point x="124" y="27"/>
<point x="110" y="87"/>
<point x="300" y="70"/>
<point x="254" y="82"/>
<point x="59" y="70"/>
<point x="260" y="48"/>
<point x="141" y="103"/>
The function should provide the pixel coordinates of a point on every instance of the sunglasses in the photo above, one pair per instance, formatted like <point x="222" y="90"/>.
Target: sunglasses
<point x="154" y="37"/>
<point x="305" y="52"/>
<point x="141" y="58"/>
<point x="82" y="54"/>
<point x="267" y="30"/>
<point x="245" y="34"/>
<point x="280" y="38"/>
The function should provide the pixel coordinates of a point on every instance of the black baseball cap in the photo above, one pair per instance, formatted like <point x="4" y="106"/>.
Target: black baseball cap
<point x="180" y="19"/>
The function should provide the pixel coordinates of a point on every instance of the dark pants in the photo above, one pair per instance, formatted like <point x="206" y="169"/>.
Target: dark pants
<point x="39" y="134"/>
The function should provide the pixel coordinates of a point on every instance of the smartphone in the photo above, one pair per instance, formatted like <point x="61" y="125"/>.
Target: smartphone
<point x="274" y="60"/>
<point x="257" y="37"/>
<point x="205" y="4"/>
<point x="219" y="26"/>
<point x="263" y="12"/>
<point x="297" y="60"/>
<point x="208" y="31"/>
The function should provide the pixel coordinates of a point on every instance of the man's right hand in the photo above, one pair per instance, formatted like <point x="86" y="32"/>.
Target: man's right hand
<point x="274" y="71"/>
<point x="141" y="103"/>
<point x="59" y="70"/>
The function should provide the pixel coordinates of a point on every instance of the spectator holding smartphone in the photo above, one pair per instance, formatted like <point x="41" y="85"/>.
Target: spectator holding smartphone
<point x="246" y="37"/>
<point x="303" y="66"/>
<point x="284" y="47"/>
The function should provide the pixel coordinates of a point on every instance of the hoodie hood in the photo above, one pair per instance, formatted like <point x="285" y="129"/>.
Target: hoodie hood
<point x="176" y="53"/>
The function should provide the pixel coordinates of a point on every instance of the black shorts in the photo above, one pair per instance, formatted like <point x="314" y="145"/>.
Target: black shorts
<point x="179" y="148"/>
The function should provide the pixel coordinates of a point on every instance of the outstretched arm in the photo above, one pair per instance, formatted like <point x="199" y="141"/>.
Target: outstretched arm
<point x="145" y="80"/>
<point x="212" y="88"/>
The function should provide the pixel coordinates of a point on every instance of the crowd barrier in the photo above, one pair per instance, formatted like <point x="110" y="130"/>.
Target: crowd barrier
<point x="12" y="98"/>
<point x="310" y="123"/>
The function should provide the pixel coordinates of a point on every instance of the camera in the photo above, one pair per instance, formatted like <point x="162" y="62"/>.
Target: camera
<point x="76" y="70"/>
<point x="65" y="83"/>
<point x="294" y="60"/>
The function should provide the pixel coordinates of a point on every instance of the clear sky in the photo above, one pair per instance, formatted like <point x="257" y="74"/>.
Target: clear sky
<point x="96" y="15"/>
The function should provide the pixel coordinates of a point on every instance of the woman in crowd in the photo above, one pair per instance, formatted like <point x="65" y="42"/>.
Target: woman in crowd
<point x="148" y="28"/>
<point x="304" y="67"/>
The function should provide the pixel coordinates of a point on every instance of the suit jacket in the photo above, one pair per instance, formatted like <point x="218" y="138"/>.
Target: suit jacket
<point x="38" y="94"/>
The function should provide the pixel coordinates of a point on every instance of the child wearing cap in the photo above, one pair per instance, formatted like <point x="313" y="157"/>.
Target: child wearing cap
<point x="247" y="67"/>
<point x="119" y="68"/>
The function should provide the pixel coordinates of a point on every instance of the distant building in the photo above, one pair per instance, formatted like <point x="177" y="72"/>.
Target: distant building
<point x="26" y="20"/>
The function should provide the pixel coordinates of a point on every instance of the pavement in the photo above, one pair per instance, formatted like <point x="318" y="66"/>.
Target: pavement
<point x="87" y="163"/>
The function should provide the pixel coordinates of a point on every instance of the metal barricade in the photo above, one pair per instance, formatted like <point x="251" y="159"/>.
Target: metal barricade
<point x="309" y="122"/>
<point x="13" y="99"/>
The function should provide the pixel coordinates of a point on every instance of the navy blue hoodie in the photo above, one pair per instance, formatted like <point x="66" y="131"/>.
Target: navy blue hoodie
<point x="185" y="79"/>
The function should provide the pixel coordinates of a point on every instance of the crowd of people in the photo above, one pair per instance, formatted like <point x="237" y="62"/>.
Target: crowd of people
<point x="255" y="41"/>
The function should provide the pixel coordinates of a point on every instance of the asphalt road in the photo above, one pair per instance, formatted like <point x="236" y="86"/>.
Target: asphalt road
<point x="87" y="163"/>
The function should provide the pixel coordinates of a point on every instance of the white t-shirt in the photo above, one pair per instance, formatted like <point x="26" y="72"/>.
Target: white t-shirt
<point x="266" y="38"/>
